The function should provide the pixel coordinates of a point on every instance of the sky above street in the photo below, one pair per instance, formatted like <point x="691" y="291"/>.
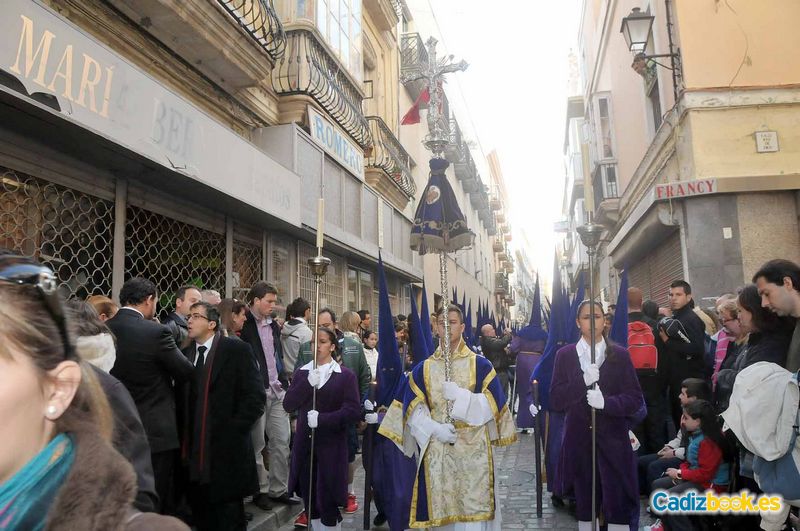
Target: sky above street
<point x="513" y="98"/>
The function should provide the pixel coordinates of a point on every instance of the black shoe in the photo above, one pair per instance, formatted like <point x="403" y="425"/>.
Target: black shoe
<point x="248" y="516"/>
<point x="284" y="499"/>
<point x="557" y="501"/>
<point x="379" y="519"/>
<point x="262" y="502"/>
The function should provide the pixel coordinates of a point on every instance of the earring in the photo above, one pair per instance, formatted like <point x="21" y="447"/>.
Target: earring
<point x="51" y="410"/>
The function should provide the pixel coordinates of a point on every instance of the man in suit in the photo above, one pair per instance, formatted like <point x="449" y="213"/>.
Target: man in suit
<point x="185" y="297"/>
<point x="148" y="360"/>
<point x="263" y="335"/>
<point x="218" y="407"/>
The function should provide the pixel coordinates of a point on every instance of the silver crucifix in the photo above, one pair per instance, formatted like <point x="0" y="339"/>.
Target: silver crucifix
<point x="438" y="136"/>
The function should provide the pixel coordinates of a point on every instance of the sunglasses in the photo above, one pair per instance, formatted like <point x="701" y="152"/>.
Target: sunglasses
<point x="24" y="271"/>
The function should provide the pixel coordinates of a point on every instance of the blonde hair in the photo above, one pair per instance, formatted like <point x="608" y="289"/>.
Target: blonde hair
<point x="350" y="322"/>
<point x="26" y="325"/>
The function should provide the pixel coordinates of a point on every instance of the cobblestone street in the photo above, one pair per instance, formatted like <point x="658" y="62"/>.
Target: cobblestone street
<point x="515" y="467"/>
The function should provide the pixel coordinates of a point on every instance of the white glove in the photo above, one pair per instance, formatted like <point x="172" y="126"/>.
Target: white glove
<point x="591" y="374"/>
<point x="445" y="433"/>
<point x="314" y="378"/>
<point x="595" y="398"/>
<point x="369" y="406"/>
<point x="371" y="418"/>
<point x="452" y="391"/>
<point x="313" y="418"/>
<point x="534" y="409"/>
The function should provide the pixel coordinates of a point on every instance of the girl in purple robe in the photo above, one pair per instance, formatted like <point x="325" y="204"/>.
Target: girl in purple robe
<point x="616" y="398"/>
<point x="337" y="407"/>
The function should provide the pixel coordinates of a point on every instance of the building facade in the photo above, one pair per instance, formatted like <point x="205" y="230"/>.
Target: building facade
<point x="189" y="142"/>
<point x="695" y="175"/>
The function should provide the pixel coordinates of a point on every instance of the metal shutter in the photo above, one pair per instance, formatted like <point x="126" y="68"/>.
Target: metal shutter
<point x="656" y="271"/>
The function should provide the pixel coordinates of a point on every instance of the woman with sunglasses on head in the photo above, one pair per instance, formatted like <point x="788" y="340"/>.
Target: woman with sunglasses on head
<point x="616" y="398"/>
<point x="337" y="407"/>
<point x="58" y="469"/>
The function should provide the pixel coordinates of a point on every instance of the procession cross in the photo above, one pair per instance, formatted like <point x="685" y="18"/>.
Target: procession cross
<point x="433" y="72"/>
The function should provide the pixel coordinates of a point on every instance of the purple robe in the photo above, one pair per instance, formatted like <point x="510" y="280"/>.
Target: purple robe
<point x="618" y="491"/>
<point x="527" y="354"/>
<point x="339" y="406"/>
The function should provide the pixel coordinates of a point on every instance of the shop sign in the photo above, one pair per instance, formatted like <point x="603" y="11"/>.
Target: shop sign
<point x="103" y="92"/>
<point x="336" y="143"/>
<point x="681" y="189"/>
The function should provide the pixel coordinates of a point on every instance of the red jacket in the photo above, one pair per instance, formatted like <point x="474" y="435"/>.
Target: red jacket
<point x="709" y="460"/>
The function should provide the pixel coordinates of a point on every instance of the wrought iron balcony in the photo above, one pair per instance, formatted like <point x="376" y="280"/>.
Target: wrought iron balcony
<point x="390" y="156"/>
<point x="454" y="151"/>
<point x="258" y="18"/>
<point x="467" y="173"/>
<point x="413" y="56"/>
<point x="501" y="286"/>
<point x="604" y="183"/>
<point x="308" y="68"/>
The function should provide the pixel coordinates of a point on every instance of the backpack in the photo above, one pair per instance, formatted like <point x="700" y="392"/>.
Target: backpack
<point x="642" y="347"/>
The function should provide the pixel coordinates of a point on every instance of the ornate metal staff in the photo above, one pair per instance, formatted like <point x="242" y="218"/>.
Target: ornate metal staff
<point x="590" y="236"/>
<point x="439" y="224"/>
<point x="318" y="266"/>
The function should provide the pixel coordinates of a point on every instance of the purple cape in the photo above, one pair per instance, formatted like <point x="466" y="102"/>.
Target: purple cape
<point x="618" y="493"/>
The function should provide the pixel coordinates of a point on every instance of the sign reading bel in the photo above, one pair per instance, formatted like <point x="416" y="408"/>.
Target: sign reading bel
<point x="336" y="143"/>
<point x="681" y="189"/>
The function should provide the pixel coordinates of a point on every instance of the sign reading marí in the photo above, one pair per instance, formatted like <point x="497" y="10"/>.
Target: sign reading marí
<point x="336" y="143"/>
<point x="683" y="189"/>
<point x="78" y="77"/>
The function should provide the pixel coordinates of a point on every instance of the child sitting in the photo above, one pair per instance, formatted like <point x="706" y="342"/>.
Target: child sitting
<point x="653" y="466"/>
<point x="707" y="463"/>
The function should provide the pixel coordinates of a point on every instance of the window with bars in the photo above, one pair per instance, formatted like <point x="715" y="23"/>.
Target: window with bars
<point x="332" y="287"/>
<point x="172" y="253"/>
<point x="282" y="250"/>
<point x="69" y="231"/>
<point x="359" y="290"/>
<point x="247" y="268"/>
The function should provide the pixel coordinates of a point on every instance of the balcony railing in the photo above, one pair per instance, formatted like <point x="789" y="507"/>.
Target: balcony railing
<point x="390" y="156"/>
<point x="501" y="286"/>
<point x="308" y="68"/>
<point x="258" y="18"/>
<point x="604" y="183"/>
<point x="413" y="54"/>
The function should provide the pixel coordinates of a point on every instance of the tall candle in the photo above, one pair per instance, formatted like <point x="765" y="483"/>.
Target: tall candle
<point x="535" y="385"/>
<point x="320" y="222"/>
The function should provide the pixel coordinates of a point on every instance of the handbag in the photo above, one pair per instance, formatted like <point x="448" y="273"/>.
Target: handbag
<point x="781" y="475"/>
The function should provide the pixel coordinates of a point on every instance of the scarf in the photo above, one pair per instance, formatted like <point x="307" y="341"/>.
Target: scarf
<point x="25" y="499"/>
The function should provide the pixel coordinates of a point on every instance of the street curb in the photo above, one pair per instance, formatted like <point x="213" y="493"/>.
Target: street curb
<point x="273" y="519"/>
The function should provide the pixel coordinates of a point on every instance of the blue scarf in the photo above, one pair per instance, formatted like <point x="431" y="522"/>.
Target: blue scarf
<point x="25" y="499"/>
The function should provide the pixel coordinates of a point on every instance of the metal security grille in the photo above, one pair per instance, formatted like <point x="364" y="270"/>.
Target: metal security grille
<point x="656" y="271"/>
<point x="68" y="230"/>
<point x="172" y="253"/>
<point x="247" y="268"/>
<point x="332" y="288"/>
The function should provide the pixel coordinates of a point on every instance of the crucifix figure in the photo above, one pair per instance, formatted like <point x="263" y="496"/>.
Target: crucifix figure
<point x="433" y="73"/>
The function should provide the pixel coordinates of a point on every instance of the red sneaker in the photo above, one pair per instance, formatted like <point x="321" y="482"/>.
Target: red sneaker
<point x="302" y="520"/>
<point x="352" y="504"/>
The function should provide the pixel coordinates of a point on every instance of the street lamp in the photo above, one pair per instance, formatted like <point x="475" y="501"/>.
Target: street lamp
<point x="637" y="29"/>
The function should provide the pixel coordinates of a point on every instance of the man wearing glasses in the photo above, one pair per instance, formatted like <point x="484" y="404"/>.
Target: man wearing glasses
<point x="148" y="360"/>
<point x="219" y="406"/>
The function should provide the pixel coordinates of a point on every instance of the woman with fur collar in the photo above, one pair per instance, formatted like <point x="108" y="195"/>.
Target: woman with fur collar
<point x="58" y="469"/>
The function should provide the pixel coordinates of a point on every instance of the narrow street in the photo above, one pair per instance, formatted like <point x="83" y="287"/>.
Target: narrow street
<point x="515" y="465"/>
